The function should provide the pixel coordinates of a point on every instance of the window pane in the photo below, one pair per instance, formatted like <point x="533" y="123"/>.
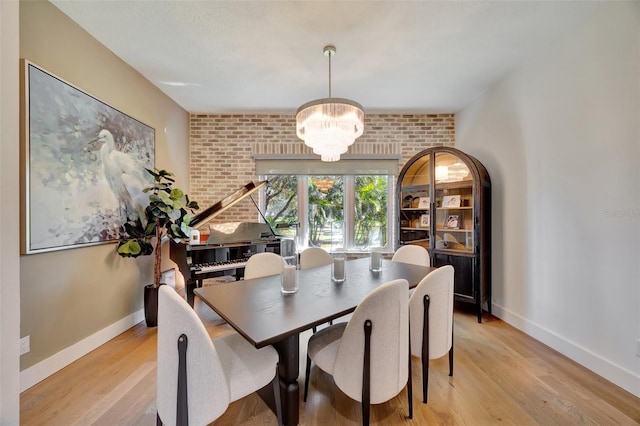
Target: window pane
<point x="370" y="211"/>
<point x="326" y="218"/>
<point x="281" y="203"/>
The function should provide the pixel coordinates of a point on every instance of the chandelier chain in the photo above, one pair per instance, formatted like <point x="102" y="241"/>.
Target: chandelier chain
<point x="330" y="75"/>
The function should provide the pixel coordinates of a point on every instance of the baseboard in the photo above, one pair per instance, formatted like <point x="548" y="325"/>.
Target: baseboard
<point x="58" y="361"/>
<point x="620" y="376"/>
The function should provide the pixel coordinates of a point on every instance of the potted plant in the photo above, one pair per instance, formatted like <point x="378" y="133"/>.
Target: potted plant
<point x="168" y="213"/>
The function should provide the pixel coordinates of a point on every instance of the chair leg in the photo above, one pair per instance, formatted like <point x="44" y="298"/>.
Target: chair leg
<point x="306" y="379"/>
<point x="276" y="396"/>
<point x="425" y="349"/>
<point x="425" y="379"/>
<point x="366" y="373"/>
<point x="410" y="384"/>
<point x="451" y="356"/>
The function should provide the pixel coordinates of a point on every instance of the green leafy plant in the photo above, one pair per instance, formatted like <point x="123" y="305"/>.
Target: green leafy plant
<point x="168" y="213"/>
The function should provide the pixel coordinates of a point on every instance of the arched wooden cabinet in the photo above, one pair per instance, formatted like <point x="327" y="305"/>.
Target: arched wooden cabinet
<point x="444" y="204"/>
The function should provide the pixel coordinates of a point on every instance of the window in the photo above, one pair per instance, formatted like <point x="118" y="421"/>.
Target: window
<point x="330" y="211"/>
<point x="371" y="216"/>
<point x="281" y="204"/>
<point x="325" y="212"/>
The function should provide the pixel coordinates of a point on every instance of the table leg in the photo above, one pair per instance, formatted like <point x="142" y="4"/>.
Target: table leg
<point x="288" y="370"/>
<point x="190" y="285"/>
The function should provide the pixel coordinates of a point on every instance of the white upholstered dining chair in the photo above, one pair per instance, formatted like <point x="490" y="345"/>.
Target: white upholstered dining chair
<point x="263" y="265"/>
<point x="314" y="256"/>
<point x="413" y="254"/>
<point x="368" y="356"/>
<point x="431" y="320"/>
<point x="198" y="377"/>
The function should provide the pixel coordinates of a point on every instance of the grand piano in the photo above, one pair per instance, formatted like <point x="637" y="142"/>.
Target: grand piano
<point x="228" y="246"/>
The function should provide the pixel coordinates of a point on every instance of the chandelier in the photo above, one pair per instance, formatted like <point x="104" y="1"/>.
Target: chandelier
<point x="324" y="184"/>
<point x="329" y="125"/>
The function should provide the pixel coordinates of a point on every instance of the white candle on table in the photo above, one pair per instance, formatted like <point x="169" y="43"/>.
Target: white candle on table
<point x="376" y="256"/>
<point x="289" y="279"/>
<point x="338" y="268"/>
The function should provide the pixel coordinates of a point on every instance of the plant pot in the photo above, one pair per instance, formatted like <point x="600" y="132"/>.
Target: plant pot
<point x="151" y="305"/>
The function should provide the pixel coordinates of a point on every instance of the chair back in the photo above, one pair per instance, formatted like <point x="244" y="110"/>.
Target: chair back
<point x="438" y="285"/>
<point x="207" y="388"/>
<point x="387" y="308"/>
<point x="313" y="257"/>
<point x="263" y="265"/>
<point x="413" y="254"/>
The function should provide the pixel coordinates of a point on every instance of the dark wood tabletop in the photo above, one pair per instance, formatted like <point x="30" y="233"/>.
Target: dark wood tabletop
<point x="263" y="315"/>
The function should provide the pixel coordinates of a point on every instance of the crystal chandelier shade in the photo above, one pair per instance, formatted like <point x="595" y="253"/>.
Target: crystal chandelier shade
<point x="329" y="125"/>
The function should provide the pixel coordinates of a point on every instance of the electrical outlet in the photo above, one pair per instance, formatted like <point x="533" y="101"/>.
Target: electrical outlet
<point x="637" y="347"/>
<point x="25" y="345"/>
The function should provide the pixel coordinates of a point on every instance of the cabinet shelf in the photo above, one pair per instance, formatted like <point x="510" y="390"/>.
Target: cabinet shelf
<point x="415" y="188"/>
<point x="452" y="230"/>
<point x="420" y="240"/>
<point x="454" y="208"/>
<point x="465" y="253"/>
<point x="407" y="228"/>
<point x="454" y="185"/>
<point x="413" y="209"/>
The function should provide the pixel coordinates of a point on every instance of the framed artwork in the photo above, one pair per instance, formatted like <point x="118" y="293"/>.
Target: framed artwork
<point x="84" y="166"/>
<point x="451" y="201"/>
<point x="423" y="202"/>
<point x="424" y="221"/>
<point x="453" y="221"/>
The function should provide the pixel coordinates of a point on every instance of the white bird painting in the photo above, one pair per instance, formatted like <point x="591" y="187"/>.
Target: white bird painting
<point x="125" y="177"/>
<point x="86" y="166"/>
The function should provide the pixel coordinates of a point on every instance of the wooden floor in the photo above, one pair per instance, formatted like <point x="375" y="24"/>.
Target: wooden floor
<point x="500" y="376"/>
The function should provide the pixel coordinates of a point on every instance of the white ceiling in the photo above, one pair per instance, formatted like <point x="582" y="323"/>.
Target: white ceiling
<point x="266" y="56"/>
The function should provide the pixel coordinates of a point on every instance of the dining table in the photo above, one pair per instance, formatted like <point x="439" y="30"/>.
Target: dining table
<point x="262" y="314"/>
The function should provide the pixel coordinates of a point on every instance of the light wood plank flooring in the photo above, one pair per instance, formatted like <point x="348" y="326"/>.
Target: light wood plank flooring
<point x="500" y="376"/>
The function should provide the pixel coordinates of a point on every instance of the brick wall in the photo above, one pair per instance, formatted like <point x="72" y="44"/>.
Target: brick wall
<point x="223" y="146"/>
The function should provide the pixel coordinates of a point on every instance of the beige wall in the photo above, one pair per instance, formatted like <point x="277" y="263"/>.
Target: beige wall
<point x="223" y="147"/>
<point x="69" y="295"/>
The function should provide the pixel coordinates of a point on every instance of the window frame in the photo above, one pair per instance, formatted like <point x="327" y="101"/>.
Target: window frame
<point x="348" y="206"/>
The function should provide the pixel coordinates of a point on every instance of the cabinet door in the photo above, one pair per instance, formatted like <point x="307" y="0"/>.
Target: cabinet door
<point x="464" y="282"/>
<point x="454" y="203"/>
<point x="415" y="203"/>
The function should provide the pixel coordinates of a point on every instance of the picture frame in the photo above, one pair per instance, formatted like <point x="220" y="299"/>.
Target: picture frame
<point x="424" y="221"/>
<point x="83" y="165"/>
<point x="424" y="202"/>
<point x="452" y="222"/>
<point x="449" y="201"/>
